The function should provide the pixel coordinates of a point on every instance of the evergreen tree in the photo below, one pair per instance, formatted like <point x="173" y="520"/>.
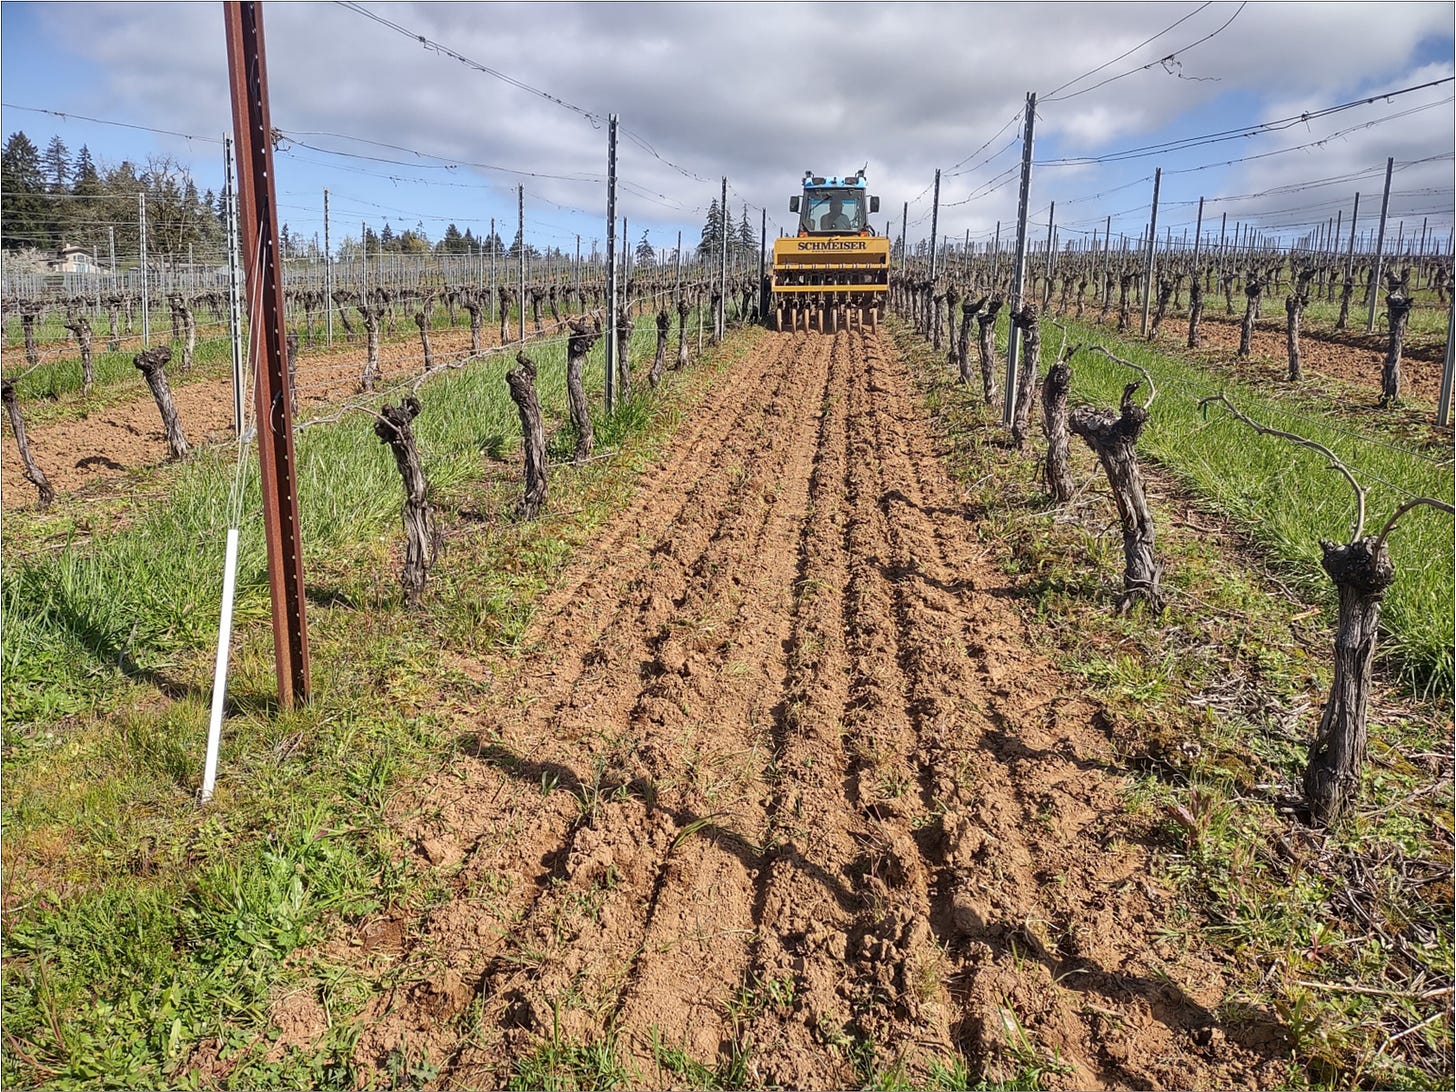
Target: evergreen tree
<point x="646" y="256"/>
<point x="121" y="185"/>
<point x="85" y="178"/>
<point x="515" y="250"/>
<point x="712" y="237"/>
<point x="23" y="212"/>
<point x="747" y="237"/>
<point x="386" y="238"/>
<point x="452" y="242"/>
<point x="80" y="219"/>
<point x="56" y="162"/>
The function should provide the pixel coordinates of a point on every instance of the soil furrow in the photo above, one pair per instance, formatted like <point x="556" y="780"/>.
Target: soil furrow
<point x="911" y="1021"/>
<point x="727" y="728"/>
<point x="795" y="999"/>
<point x="654" y="550"/>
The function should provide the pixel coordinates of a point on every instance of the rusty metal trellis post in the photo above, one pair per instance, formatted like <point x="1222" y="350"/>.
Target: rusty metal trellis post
<point x="258" y="217"/>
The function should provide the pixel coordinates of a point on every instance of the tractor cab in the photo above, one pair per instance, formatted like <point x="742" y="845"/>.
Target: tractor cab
<point x="834" y="206"/>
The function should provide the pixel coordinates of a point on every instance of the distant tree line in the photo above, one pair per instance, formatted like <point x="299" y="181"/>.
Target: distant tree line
<point x="53" y="197"/>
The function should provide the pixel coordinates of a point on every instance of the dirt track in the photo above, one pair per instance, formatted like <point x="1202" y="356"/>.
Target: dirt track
<point x="1420" y="378"/>
<point x="100" y="447"/>
<point x="779" y="779"/>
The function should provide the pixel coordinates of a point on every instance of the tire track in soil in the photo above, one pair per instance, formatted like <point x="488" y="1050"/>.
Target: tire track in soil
<point x="824" y="810"/>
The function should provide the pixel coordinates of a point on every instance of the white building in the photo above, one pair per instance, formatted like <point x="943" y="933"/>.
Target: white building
<point x="72" y="259"/>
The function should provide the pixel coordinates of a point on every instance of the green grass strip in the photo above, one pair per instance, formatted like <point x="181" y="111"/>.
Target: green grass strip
<point x="80" y="619"/>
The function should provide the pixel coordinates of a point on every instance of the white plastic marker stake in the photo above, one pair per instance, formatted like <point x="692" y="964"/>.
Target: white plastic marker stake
<point x="219" y="678"/>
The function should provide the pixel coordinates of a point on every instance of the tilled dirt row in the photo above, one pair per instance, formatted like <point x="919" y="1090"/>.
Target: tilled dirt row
<point x="781" y="786"/>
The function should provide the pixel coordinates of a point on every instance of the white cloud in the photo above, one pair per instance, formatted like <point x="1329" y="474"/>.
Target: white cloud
<point x="761" y="92"/>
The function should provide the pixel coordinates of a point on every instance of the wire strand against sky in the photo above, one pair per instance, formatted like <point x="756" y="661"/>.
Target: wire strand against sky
<point x="486" y="70"/>
<point x="442" y="162"/>
<point x="1051" y="97"/>
<point x="65" y="115"/>
<point x="596" y="118"/>
<point x="1184" y="143"/>
<point x="1164" y="61"/>
<point x="952" y="171"/>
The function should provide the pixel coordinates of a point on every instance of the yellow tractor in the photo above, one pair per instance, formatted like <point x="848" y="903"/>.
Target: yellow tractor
<point x="835" y="272"/>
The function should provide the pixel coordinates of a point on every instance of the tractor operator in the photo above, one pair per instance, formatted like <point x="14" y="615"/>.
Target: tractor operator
<point x="835" y="220"/>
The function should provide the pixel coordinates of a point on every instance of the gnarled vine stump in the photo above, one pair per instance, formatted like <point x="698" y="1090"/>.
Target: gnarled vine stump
<point x="505" y="295"/>
<point x="422" y="540"/>
<point x="189" y="335"/>
<point x="1195" y="311"/>
<point x="80" y="326"/>
<point x="1294" y="305"/>
<point x="29" y="312"/>
<point x="422" y="320"/>
<point x="969" y="310"/>
<point x="1166" y="285"/>
<point x="522" y="383"/>
<point x="659" y="361"/>
<point x="113" y="314"/>
<point x="682" y="332"/>
<point x="1028" y="322"/>
<point x="472" y="308"/>
<point x="624" y="348"/>
<point x="341" y="299"/>
<point x="1362" y="571"/>
<point x="1254" y="291"/>
<point x="1398" y="306"/>
<point x="952" y="301"/>
<point x="1124" y="288"/>
<point x="1114" y="438"/>
<point x="986" y="344"/>
<point x="32" y="471"/>
<point x="1054" y="425"/>
<point x="152" y="365"/>
<point x="583" y="337"/>
<point x="371" y="317"/>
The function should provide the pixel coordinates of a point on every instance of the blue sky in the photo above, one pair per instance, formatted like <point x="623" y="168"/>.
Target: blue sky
<point x="760" y="94"/>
